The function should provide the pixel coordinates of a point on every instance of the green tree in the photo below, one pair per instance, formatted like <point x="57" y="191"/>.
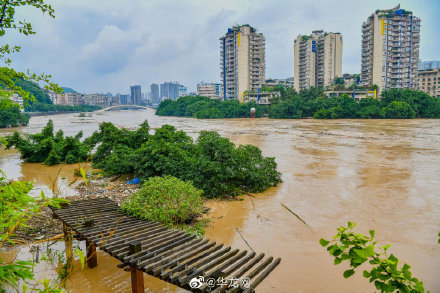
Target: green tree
<point x="9" y="78"/>
<point x="49" y="148"/>
<point x="399" y="110"/>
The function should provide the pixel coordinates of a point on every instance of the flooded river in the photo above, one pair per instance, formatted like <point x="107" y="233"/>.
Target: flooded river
<point x="382" y="174"/>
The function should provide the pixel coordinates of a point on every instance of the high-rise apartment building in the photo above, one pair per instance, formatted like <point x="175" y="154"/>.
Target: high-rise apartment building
<point x="136" y="95"/>
<point x="169" y="90"/>
<point x="390" y="49"/>
<point x="242" y="61"/>
<point x="155" y="97"/>
<point x="318" y="59"/>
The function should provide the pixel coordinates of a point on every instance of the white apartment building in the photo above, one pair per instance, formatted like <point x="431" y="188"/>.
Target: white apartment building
<point x="317" y="60"/>
<point x="242" y="61"/>
<point x="390" y="49"/>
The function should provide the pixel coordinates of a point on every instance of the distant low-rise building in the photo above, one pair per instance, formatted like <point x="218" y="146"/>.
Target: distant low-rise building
<point x="17" y="100"/>
<point x="210" y="90"/>
<point x="55" y="97"/>
<point x="73" y="99"/>
<point x="261" y="98"/>
<point x="273" y="82"/>
<point x="96" y="100"/>
<point x="429" y="82"/>
<point x="350" y="79"/>
<point x="355" y="94"/>
<point x="182" y="91"/>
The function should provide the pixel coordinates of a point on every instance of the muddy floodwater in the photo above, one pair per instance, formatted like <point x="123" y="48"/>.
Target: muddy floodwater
<point x="382" y="174"/>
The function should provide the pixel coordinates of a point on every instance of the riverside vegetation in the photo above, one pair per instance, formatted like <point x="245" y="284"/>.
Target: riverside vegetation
<point x="211" y="162"/>
<point x="393" y="104"/>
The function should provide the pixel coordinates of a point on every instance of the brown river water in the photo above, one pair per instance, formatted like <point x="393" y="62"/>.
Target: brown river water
<point x="382" y="174"/>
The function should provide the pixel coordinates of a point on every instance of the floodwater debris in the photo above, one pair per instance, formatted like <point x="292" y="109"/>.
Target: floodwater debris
<point x="295" y="215"/>
<point x="244" y="239"/>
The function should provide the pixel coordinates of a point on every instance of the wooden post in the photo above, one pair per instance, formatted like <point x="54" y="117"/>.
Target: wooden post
<point x="137" y="276"/>
<point x="68" y="247"/>
<point x="92" y="260"/>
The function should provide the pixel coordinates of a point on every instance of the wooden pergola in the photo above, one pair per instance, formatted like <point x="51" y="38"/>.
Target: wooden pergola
<point x="179" y="258"/>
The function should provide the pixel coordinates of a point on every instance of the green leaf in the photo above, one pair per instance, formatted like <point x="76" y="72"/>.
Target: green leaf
<point x="365" y="252"/>
<point x="366" y="274"/>
<point x="371" y="233"/>
<point x="348" y="273"/>
<point x="323" y="242"/>
<point x="338" y="260"/>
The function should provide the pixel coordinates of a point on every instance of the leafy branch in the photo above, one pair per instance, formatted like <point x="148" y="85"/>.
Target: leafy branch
<point x="359" y="249"/>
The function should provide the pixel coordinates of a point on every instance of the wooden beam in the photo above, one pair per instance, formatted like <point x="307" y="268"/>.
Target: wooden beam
<point x="92" y="259"/>
<point x="137" y="276"/>
<point x="68" y="247"/>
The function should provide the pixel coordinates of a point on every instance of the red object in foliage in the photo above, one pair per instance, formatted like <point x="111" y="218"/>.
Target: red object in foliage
<point x="253" y="113"/>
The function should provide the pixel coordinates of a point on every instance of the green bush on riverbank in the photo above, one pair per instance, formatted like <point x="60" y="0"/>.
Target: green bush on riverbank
<point x="48" y="147"/>
<point x="166" y="200"/>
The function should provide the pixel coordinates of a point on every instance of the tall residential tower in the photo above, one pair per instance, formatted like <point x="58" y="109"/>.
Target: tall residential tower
<point x="136" y="94"/>
<point x="242" y="61"/>
<point x="390" y="49"/>
<point x="318" y="59"/>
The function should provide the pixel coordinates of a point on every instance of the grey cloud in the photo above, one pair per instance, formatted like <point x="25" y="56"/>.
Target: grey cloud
<point x="103" y="45"/>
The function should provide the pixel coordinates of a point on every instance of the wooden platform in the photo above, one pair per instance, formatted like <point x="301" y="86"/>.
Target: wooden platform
<point x="171" y="255"/>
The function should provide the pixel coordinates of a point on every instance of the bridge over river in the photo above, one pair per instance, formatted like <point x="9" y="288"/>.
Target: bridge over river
<point x="124" y="107"/>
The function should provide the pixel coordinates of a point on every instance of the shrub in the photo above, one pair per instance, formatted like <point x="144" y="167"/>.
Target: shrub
<point x="166" y="200"/>
<point x="49" y="148"/>
<point x="399" y="110"/>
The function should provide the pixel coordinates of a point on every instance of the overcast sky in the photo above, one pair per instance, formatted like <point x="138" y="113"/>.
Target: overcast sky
<point x="108" y="45"/>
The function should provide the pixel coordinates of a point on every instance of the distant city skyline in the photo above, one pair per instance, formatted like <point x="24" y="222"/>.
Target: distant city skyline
<point x="92" y="47"/>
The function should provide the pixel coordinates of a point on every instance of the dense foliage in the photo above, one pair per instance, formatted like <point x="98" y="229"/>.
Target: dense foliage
<point x="166" y="200"/>
<point x="384" y="271"/>
<point x="212" y="162"/>
<point x="16" y="208"/>
<point x="205" y="108"/>
<point x="35" y="90"/>
<point x="48" y="147"/>
<point x="10" y="115"/>
<point x="394" y="104"/>
<point x="42" y="107"/>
